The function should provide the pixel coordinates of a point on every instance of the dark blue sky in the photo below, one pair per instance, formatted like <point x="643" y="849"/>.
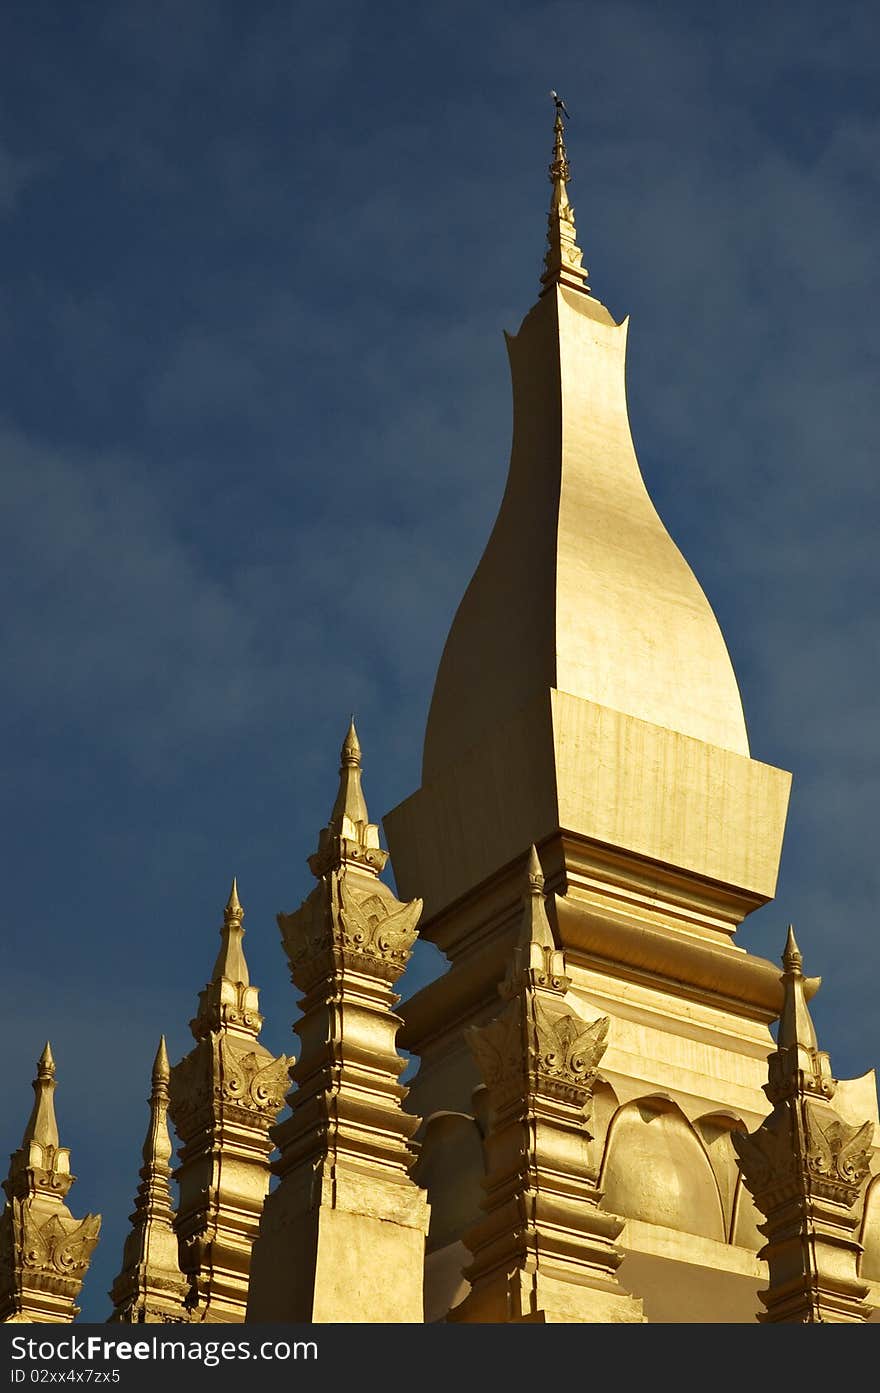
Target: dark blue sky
<point x="254" y="422"/>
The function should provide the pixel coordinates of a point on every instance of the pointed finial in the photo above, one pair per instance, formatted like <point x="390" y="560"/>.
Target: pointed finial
<point x="563" y="263"/>
<point x="230" y="960"/>
<point x="351" y="746"/>
<point x="161" y="1065"/>
<point x="535" y="954"/>
<point x="41" y="1125"/>
<point x="350" y="801"/>
<point x="797" y="1063"/>
<point x="233" y="913"/>
<point x="535" y="873"/>
<point x="792" y="957"/>
<point x="795" y="1023"/>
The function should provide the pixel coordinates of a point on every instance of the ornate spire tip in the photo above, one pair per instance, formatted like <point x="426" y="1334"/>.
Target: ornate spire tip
<point x="161" y="1065"/>
<point x="535" y="872"/>
<point x="233" y="909"/>
<point x="792" y="957"/>
<point x="351" y="748"/>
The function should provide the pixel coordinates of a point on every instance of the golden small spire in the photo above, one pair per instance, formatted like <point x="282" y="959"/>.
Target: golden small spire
<point x="563" y="263"/>
<point x="349" y="835"/>
<point x="228" y="1001"/>
<point x="535" y="951"/>
<point x="231" y="962"/>
<point x="157" y="1149"/>
<point x="350" y="801"/>
<point x="42" y="1126"/>
<point x="797" y="1062"/>
<point x="44" y="1250"/>
<point x="795" y="1022"/>
<point x="161" y="1065"/>
<point x="150" y="1286"/>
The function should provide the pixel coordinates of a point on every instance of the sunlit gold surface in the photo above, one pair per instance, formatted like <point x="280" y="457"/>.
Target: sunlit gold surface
<point x="342" y="1236"/>
<point x="587" y="1137"/>
<point x="544" y="1251"/>
<point x="225" y="1095"/>
<point x="586" y="702"/>
<point x="806" y="1167"/>
<point x="44" y="1250"/>
<point x="151" y="1288"/>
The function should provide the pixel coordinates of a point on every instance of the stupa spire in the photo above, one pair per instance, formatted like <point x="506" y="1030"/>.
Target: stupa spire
<point x="806" y="1166"/>
<point x="44" y="1250"/>
<point x="349" y="837"/>
<point x="350" y="801"/>
<point x="42" y="1126"/>
<point x="151" y="1288"/>
<point x="231" y="960"/>
<point x="228" y="999"/>
<point x="224" y="1095"/>
<point x="563" y="262"/>
<point x="344" y="1184"/>
<point x="535" y="953"/>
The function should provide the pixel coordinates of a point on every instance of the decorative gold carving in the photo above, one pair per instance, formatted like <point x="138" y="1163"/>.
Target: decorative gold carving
<point x="767" y="1157"/>
<point x="363" y="925"/>
<point x="568" y="1050"/>
<point x="498" y="1048"/>
<point x="838" y="1152"/>
<point x="66" y="1246"/>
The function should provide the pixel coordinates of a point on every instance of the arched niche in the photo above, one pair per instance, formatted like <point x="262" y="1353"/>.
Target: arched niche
<point x="603" y="1107"/>
<point x="870" y="1234"/>
<point x="715" y="1130"/>
<point x="656" y="1169"/>
<point x="746" y="1218"/>
<point x="450" y="1167"/>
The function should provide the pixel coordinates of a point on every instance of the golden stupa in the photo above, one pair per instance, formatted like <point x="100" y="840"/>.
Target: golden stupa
<point x="601" y="1127"/>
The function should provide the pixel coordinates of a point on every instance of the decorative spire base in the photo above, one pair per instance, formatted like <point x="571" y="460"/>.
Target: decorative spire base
<point x="545" y="1251"/>
<point x="342" y="1237"/>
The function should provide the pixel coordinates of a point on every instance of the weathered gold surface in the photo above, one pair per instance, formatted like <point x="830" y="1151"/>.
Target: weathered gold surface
<point x="225" y="1095"/>
<point x="342" y="1236"/>
<point x="544" y="1250"/>
<point x="151" y="1288"/>
<point x="44" y="1250"/>
<point x="806" y="1167"/>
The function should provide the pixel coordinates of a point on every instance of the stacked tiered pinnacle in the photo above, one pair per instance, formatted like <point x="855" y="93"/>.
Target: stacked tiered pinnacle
<point x="342" y="1236"/>
<point x="563" y="262"/>
<point x="224" y="1096"/>
<point x="806" y="1167"/>
<point x="545" y="1250"/>
<point x="44" y="1250"/>
<point x="150" y="1287"/>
